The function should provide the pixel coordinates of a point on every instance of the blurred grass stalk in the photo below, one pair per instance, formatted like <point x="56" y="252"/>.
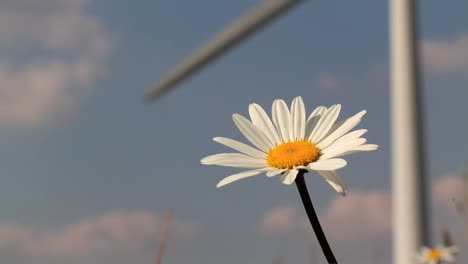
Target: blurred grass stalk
<point x="465" y="209"/>
<point x="278" y="260"/>
<point x="163" y="237"/>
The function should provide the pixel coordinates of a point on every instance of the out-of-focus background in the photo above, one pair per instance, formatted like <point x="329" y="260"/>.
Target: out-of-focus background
<point x="88" y="170"/>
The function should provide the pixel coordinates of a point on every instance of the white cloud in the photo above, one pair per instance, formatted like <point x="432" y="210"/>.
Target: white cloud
<point x="375" y="76"/>
<point x="359" y="225"/>
<point x="360" y="213"/>
<point x="278" y="219"/>
<point x="448" y="188"/>
<point x="111" y="232"/>
<point x="68" y="48"/>
<point x="327" y="80"/>
<point x="443" y="56"/>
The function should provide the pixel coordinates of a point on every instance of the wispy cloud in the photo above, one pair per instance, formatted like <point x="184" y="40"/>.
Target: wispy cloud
<point x="327" y="80"/>
<point x="446" y="55"/>
<point x="375" y="76"/>
<point x="360" y="213"/>
<point x="62" y="49"/>
<point x="448" y="187"/>
<point x="278" y="219"/>
<point x="111" y="232"/>
<point x="359" y="225"/>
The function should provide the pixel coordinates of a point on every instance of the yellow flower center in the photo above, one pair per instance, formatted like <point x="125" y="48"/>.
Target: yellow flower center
<point x="290" y="154"/>
<point x="434" y="254"/>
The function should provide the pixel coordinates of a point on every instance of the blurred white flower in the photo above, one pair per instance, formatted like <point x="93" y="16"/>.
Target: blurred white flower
<point x="437" y="255"/>
<point x="290" y="142"/>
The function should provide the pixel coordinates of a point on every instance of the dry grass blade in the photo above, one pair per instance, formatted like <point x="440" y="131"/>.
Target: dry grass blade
<point x="465" y="208"/>
<point x="465" y="191"/>
<point x="447" y="238"/>
<point x="278" y="260"/>
<point x="163" y="237"/>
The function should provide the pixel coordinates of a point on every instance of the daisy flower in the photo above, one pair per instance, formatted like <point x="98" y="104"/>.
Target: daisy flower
<point x="290" y="142"/>
<point x="437" y="254"/>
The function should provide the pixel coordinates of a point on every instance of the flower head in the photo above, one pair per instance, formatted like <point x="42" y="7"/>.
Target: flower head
<point x="289" y="142"/>
<point x="437" y="254"/>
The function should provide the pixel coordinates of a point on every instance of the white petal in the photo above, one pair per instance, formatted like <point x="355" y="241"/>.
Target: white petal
<point x="252" y="133"/>
<point x="334" y="127"/>
<point x="335" y="181"/>
<point x="448" y="254"/>
<point x="368" y="147"/>
<point x="453" y="249"/>
<point x="339" y="148"/>
<point x="421" y="259"/>
<point x="327" y="164"/>
<point x="289" y="177"/>
<point x="325" y="123"/>
<point x="234" y="160"/>
<point x="261" y="120"/>
<point x="361" y="148"/>
<point x="274" y="172"/>
<point x="298" y="118"/>
<point x="282" y="119"/>
<point x="241" y="147"/>
<point x="448" y="257"/>
<point x="347" y="125"/>
<point x="351" y="135"/>
<point x="422" y="256"/>
<point x="313" y="120"/>
<point x="423" y="252"/>
<point x="238" y="176"/>
<point x="341" y="122"/>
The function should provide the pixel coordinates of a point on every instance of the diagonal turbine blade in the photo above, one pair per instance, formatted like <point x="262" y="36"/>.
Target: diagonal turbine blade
<point x="233" y="34"/>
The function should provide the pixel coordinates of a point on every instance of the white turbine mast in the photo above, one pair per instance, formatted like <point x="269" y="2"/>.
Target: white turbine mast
<point x="410" y="218"/>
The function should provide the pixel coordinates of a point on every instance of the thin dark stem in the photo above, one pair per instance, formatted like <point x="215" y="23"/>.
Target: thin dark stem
<point x="314" y="221"/>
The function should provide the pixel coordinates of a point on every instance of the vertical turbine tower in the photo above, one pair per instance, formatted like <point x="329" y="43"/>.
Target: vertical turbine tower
<point x="409" y="187"/>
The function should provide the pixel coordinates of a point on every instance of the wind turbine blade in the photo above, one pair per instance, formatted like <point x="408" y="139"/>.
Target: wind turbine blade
<point x="233" y="34"/>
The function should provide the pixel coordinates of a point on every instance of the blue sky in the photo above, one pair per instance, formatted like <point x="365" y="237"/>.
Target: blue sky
<point x="77" y="141"/>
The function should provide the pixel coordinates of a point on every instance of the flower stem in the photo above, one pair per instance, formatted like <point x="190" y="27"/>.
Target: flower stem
<point x="314" y="221"/>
